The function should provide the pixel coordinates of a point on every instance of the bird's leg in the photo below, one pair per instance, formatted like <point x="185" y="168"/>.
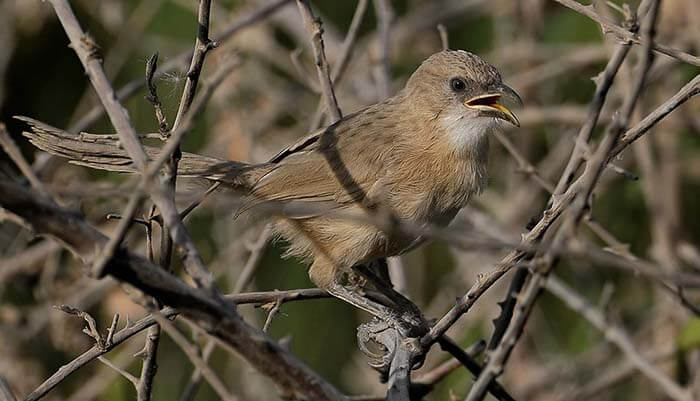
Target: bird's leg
<point x="389" y="322"/>
<point x="386" y="322"/>
<point x="384" y="313"/>
<point x="407" y="311"/>
<point x="325" y="275"/>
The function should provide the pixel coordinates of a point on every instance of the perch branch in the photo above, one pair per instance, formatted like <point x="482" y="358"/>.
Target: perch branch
<point x="213" y="314"/>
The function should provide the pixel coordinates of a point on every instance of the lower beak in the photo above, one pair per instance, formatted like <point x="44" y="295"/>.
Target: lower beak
<point x="509" y="116"/>
<point x="492" y="102"/>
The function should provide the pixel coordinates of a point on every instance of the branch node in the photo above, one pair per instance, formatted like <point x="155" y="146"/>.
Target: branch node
<point x="91" y="47"/>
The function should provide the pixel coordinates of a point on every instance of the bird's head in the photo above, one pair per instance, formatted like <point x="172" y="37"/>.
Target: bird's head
<point x="461" y="96"/>
<point x="463" y="85"/>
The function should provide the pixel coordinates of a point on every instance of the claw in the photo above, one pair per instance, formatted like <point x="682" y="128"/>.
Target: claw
<point x="385" y="336"/>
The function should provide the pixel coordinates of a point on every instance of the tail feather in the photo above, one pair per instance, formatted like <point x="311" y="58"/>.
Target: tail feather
<point x="103" y="152"/>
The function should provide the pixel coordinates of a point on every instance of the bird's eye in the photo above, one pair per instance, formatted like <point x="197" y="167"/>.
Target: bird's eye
<point x="457" y="84"/>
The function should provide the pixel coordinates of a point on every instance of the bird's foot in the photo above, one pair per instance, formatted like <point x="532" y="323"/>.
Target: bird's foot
<point x="385" y="334"/>
<point x="389" y="326"/>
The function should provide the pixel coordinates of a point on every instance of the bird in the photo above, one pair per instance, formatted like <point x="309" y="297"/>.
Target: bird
<point x="414" y="159"/>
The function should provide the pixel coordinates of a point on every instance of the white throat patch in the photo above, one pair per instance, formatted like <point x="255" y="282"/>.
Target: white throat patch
<point x="469" y="136"/>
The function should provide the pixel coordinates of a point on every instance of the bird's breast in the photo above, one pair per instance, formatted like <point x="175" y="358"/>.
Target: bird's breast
<point x="433" y="188"/>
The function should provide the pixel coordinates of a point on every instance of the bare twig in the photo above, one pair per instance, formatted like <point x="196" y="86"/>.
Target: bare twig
<point x="547" y="261"/>
<point x="193" y="355"/>
<point x="624" y="34"/>
<point x="301" y="71"/>
<point x="191" y="388"/>
<point x="315" y="30"/>
<point x="441" y="371"/>
<point x="88" y="52"/>
<point x="273" y="311"/>
<point x="612" y="376"/>
<point x="473" y="367"/>
<point x="6" y="393"/>
<point x="603" y="84"/>
<point x="617" y="336"/>
<point x="92" y="354"/>
<point x="125" y="222"/>
<point x="152" y="97"/>
<point x="91" y="329"/>
<point x="149" y="367"/>
<point x="128" y="376"/>
<point x="444" y="39"/>
<point x="216" y="316"/>
<point x="93" y="387"/>
<point x="692" y="88"/>
<point x="349" y="42"/>
<point x="385" y="14"/>
<point x="112" y="329"/>
<point x="346" y="50"/>
<point x="10" y="147"/>
<point x="179" y="62"/>
<point x="202" y="45"/>
<point x="256" y="249"/>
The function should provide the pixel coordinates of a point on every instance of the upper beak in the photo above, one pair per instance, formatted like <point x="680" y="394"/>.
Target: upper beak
<point x="492" y="102"/>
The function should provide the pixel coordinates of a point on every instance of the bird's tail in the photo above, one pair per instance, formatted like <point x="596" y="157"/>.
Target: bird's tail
<point x="103" y="152"/>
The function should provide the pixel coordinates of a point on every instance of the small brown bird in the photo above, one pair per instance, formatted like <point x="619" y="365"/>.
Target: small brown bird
<point x="418" y="156"/>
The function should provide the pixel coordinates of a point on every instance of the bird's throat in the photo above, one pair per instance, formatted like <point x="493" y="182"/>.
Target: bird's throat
<point x="468" y="137"/>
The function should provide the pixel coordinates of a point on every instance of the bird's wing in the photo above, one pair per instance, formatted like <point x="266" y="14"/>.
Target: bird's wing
<point x="337" y="166"/>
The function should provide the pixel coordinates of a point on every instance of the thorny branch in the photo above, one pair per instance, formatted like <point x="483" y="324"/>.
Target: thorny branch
<point x="546" y="262"/>
<point x="215" y="315"/>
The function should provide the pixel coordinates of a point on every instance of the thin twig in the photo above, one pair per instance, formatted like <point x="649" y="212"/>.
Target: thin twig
<point x="6" y="393"/>
<point x="152" y="97"/>
<point x="603" y="84"/>
<point x="88" y="52"/>
<point x="444" y="38"/>
<point x="441" y="371"/>
<point x="216" y="315"/>
<point x="692" y="88"/>
<point x="10" y="147"/>
<point x="128" y="376"/>
<point x="624" y="34"/>
<point x="273" y="311"/>
<point x="314" y="28"/>
<point x="385" y="14"/>
<point x="179" y="61"/>
<point x="202" y="46"/>
<point x="149" y="367"/>
<point x="193" y="355"/>
<point x="257" y="250"/>
<point x="91" y="329"/>
<point x="617" y="336"/>
<point x="126" y="219"/>
<point x="346" y="51"/>
<point x="546" y="263"/>
<point x="193" y="385"/>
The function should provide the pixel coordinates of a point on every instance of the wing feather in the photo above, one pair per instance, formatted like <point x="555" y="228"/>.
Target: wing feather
<point x="333" y="167"/>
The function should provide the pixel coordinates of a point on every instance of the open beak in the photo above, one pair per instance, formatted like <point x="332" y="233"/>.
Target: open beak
<point x="492" y="102"/>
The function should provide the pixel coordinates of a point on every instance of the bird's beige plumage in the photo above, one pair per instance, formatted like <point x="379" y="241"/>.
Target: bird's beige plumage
<point x="418" y="156"/>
